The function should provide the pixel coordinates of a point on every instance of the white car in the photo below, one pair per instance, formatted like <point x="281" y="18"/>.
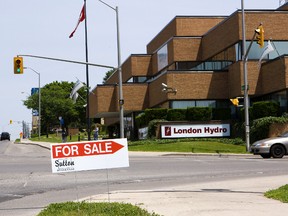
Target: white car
<point x="276" y="147"/>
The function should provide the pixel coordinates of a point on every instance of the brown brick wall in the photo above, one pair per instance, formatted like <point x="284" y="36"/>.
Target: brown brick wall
<point x="274" y="23"/>
<point x="221" y="37"/>
<point x="135" y="97"/>
<point x="184" y="49"/>
<point x="190" y="86"/>
<point x="273" y="76"/>
<point x="196" y="26"/>
<point x="199" y="85"/>
<point x="103" y="100"/>
<point x="141" y="65"/>
<point x="156" y="95"/>
<point x="135" y="65"/>
<point x="183" y="26"/>
<point x="235" y="80"/>
<point x="229" y="31"/>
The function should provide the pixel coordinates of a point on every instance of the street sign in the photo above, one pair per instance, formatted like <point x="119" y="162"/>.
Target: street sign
<point x="79" y="156"/>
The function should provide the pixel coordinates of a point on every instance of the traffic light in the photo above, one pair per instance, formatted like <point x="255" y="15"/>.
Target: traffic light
<point x="18" y="65"/>
<point x="11" y="121"/>
<point x="235" y="101"/>
<point x="260" y="35"/>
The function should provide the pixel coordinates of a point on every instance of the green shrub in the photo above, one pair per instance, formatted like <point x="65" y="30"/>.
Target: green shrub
<point x="141" y="120"/>
<point x="260" y="127"/>
<point x="176" y="114"/>
<point x="152" y="127"/>
<point x="263" y="109"/>
<point x="199" y="114"/>
<point x="221" y="113"/>
<point x="158" y="113"/>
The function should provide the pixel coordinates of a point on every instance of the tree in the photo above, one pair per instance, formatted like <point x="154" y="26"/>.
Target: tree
<point x="107" y="75"/>
<point x="56" y="102"/>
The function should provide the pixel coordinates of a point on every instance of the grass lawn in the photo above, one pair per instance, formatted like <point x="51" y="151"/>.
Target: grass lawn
<point x="89" y="209"/>
<point x="191" y="146"/>
<point x="280" y="194"/>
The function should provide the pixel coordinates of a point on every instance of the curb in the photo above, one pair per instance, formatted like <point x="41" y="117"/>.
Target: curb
<point x="164" y="154"/>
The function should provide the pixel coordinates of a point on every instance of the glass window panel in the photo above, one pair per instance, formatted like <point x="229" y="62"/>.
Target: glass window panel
<point x="281" y="47"/>
<point x="162" y="56"/>
<point x="206" y="103"/>
<point x="182" y="104"/>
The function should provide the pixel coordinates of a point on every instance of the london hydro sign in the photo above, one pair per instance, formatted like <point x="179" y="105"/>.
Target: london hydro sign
<point x="195" y="130"/>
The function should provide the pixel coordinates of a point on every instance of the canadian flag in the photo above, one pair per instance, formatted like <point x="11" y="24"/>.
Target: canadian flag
<point x="81" y="18"/>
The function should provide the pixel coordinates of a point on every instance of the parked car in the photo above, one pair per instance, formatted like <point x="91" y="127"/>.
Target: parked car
<point x="275" y="147"/>
<point x="5" y="136"/>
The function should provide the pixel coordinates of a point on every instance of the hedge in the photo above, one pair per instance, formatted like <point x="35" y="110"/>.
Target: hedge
<point x="199" y="114"/>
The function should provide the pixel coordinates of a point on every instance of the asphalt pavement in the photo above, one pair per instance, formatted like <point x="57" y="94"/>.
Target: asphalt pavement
<point x="240" y="197"/>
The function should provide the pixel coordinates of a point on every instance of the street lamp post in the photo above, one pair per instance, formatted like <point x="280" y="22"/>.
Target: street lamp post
<point x="39" y="102"/>
<point x="246" y="88"/>
<point x="121" y="100"/>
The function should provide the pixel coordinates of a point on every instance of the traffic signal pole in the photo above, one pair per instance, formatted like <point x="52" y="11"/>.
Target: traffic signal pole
<point x="68" y="61"/>
<point x="259" y="31"/>
<point x="19" y="66"/>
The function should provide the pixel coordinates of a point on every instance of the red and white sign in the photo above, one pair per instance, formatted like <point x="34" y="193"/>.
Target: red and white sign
<point x="205" y="130"/>
<point x="78" y="156"/>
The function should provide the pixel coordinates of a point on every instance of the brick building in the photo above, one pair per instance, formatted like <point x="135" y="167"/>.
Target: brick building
<point x="201" y="58"/>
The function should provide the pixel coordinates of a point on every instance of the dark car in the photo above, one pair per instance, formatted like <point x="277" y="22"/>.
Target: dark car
<point x="276" y="147"/>
<point x="5" y="136"/>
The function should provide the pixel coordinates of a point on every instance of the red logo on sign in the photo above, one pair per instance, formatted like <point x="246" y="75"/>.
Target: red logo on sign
<point x="167" y="131"/>
<point x="85" y="149"/>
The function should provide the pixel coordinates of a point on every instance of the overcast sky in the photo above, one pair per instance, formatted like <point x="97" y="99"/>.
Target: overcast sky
<point x="41" y="27"/>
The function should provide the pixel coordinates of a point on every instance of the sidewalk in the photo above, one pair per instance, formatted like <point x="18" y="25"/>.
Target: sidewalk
<point x="41" y="144"/>
<point x="242" y="197"/>
<point x="227" y="198"/>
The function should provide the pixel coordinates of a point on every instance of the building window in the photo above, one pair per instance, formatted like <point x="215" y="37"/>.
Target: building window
<point x="137" y="79"/>
<point x="193" y="103"/>
<point x="200" y="103"/>
<point x="256" y="52"/>
<point x="182" y="104"/>
<point x="203" y="66"/>
<point x="162" y="56"/>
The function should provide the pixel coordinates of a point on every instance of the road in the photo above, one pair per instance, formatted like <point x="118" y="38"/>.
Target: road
<point x="28" y="185"/>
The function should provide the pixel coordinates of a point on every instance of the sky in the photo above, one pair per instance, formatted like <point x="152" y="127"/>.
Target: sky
<point x="42" y="28"/>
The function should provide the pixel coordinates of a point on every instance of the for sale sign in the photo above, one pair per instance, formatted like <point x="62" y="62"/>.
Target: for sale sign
<point x="78" y="156"/>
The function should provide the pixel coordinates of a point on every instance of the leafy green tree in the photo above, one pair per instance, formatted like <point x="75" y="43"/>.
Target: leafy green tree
<point x="56" y="102"/>
<point x="107" y="75"/>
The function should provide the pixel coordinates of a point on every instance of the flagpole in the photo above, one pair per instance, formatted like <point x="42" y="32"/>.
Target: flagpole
<point x="87" y="76"/>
